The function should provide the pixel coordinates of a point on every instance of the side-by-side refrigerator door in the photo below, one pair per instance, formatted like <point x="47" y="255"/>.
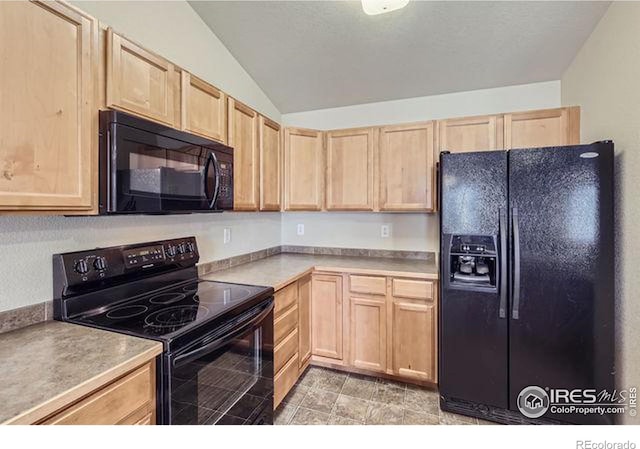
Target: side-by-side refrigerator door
<point x="561" y="318"/>
<point x="473" y="267"/>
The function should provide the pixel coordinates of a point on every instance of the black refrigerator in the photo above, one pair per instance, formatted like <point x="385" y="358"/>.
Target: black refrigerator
<point x="527" y="281"/>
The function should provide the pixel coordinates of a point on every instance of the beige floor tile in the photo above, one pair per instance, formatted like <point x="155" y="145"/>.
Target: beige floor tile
<point x="305" y="416"/>
<point x="419" y="400"/>
<point x="319" y="400"/>
<point x="359" y="388"/>
<point x="350" y="407"/>
<point x="419" y="418"/>
<point x="284" y="413"/>
<point x="336" y="420"/>
<point x="388" y="394"/>
<point x="449" y="418"/>
<point x="380" y="414"/>
<point x="296" y="395"/>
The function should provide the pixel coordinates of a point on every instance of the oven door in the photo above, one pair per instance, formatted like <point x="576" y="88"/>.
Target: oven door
<point x="151" y="173"/>
<point x="226" y="377"/>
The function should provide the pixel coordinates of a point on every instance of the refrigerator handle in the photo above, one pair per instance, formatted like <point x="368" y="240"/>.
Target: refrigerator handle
<point x="503" y="264"/>
<point x="516" y="264"/>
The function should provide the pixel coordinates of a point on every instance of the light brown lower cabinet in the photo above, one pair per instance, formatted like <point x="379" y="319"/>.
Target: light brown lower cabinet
<point x="368" y="333"/>
<point x="414" y="339"/>
<point x="131" y="399"/>
<point x="326" y="316"/>
<point x="304" y="320"/>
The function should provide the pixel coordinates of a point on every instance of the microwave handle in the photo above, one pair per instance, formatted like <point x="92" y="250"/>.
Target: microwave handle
<point x="212" y="161"/>
<point x="195" y="354"/>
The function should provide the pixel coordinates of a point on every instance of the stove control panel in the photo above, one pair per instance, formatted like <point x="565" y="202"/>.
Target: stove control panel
<point x="81" y="268"/>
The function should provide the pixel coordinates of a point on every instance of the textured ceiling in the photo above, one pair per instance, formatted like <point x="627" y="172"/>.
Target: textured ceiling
<point x="310" y="55"/>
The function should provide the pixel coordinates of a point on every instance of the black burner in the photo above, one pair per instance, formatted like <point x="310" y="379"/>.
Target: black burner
<point x="190" y="289"/>
<point x="175" y="316"/>
<point x="123" y="312"/>
<point x="167" y="298"/>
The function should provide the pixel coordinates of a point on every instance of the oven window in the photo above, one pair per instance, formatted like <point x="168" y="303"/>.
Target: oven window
<point x="233" y="385"/>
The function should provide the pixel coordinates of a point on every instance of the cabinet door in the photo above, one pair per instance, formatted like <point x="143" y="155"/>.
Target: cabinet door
<point x="470" y="134"/>
<point x="326" y="316"/>
<point x="350" y="169"/>
<point x="303" y="169"/>
<point x="48" y="113"/>
<point x="368" y="333"/>
<point x="138" y="81"/>
<point x="304" y="319"/>
<point x="270" y="165"/>
<point x="204" y="108"/>
<point x="414" y="339"/>
<point x="243" y="137"/>
<point x="544" y="128"/>
<point x="406" y="169"/>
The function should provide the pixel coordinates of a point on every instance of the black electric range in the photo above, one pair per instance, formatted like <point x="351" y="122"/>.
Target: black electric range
<point x="217" y="364"/>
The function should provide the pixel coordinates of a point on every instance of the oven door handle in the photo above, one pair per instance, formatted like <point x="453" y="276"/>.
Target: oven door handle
<point x="212" y="160"/>
<point x="223" y="340"/>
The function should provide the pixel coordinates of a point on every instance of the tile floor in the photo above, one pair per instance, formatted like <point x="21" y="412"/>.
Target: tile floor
<point x="324" y="396"/>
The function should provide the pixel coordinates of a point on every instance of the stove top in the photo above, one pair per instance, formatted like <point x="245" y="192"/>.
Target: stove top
<point x="172" y="310"/>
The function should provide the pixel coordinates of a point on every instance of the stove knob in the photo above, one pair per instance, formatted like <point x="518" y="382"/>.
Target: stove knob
<point x="181" y="248"/>
<point x="100" y="263"/>
<point x="171" y="251"/>
<point x="190" y="247"/>
<point x="81" y="267"/>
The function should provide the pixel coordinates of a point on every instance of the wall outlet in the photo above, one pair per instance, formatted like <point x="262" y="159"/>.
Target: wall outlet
<point x="226" y="235"/>
<point x="300" y="229"/>
<point x="384" y="231"/>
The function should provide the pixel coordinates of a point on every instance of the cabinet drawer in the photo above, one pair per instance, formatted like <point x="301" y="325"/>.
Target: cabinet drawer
<point x="413" y="289"/>
<point x="373" y="285"/>
<point x="284" y="380"/>
<point x="285" y="323"/>
<point x="114" y="403"/>
<point x="285" y="350"/>
<point x="286" y="297"/>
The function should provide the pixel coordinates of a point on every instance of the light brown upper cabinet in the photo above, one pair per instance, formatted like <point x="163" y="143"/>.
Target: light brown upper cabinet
<point x="204" y="108"/>
<point x="406" y="168"/>
<point x="350" y="169"/>
<point x="303" y="169"/>
<point x="326" y="316"/>
<point x="48" y="117"/>
<point x="471" y="134"/>
<point x="543" y="128"/>
<point x="270" y="165"/>
<point x="243" y="137"/>
<point x="139" y="81"/>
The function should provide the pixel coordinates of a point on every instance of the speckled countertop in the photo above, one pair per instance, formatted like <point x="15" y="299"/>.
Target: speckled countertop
<point x="48" y="365"/>
<point x="279" y="270"/>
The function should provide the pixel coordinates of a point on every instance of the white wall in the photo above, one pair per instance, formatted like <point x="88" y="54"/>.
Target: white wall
<point x="174" y="30"/>
<point x="413" y="232"/>
<point x="604" y="80"/>
<point x="409" y="231"/>
<point x="27" y="243"/>
<point x="459" y="104"/>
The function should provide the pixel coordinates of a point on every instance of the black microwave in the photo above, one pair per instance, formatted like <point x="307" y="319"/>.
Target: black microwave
<point x="148" y="168"/>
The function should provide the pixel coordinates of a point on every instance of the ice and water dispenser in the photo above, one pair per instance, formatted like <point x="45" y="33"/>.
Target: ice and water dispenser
<point x="473" y="262"/>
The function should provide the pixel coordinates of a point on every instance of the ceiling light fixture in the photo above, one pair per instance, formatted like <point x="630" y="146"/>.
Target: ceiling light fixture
<point x="374" y="7"/>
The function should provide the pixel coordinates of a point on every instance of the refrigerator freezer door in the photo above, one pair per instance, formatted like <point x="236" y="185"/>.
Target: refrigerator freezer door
<point x="562" y="334"/>
<point x="473" y="331"/>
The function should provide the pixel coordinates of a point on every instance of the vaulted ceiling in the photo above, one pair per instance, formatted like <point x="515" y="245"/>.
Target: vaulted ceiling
<point x="309" y="55"/>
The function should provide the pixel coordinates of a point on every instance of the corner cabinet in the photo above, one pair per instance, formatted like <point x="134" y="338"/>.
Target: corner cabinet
<point x="303" y="169"/>
<point x="406" y="167"/>
<point x="48" y="118"/>
<point x="139" y="81"/>
<point x="270" y="165"/>
<point x="203" y="108"/>
<point x="350" y="169"/>
<point x="243" y="137"/>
